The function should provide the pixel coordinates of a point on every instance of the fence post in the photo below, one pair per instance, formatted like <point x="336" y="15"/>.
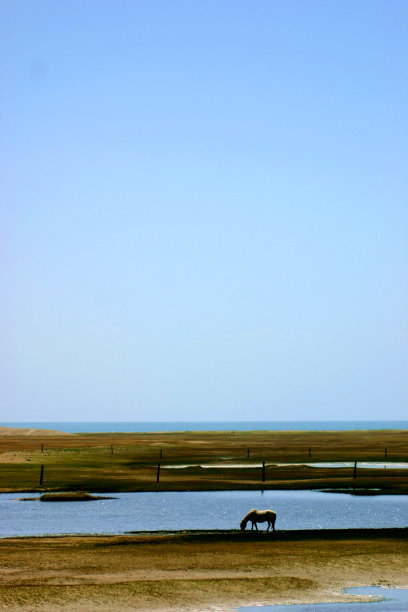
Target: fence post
<point x="248" y="453"/>
<point x="263" y="471"/>
<point x="161" y="453"/>
<point x="41" y="475"/>
<point x="158" y="473"/>
<point x="355" y="470"/>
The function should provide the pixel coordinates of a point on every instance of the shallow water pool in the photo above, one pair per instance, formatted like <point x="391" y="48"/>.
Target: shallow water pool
<point x="386" y="600"/>
<point x="198" y="510"/>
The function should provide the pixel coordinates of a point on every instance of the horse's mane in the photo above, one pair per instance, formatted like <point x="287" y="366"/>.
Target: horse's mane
<point x="248" y="514"/>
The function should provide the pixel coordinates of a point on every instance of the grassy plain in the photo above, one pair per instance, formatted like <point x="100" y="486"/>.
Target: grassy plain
<point x="128" y="462"/>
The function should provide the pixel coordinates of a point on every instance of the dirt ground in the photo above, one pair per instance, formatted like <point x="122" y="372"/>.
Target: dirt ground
<point x="197" y="571"/>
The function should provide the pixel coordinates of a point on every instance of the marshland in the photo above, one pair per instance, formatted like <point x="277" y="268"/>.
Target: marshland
<point x="205" y="461"/>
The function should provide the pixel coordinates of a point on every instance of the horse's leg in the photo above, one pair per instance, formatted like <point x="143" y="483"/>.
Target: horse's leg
<point x="256" y="525"/>
<point x="269" y="524"/>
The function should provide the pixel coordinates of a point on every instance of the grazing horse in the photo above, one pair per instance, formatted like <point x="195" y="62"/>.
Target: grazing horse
<point x="259" y="516"/>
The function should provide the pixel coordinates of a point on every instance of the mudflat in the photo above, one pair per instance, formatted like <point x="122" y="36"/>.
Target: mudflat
<point x="197" y="570"/>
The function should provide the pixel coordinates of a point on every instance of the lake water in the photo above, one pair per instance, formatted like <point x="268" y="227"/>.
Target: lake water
<point x="326" y="464"/>
<point x="197" y="510"/>
<point x="391" y="600"/>
<point x="377" y="465"/>
<point x="150" y="426"/>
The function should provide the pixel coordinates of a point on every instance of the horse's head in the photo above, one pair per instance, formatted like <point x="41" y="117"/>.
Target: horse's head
<point x="243" y="524"/>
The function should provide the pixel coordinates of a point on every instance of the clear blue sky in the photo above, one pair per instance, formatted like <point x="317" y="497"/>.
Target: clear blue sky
<point x="204" y="209"/>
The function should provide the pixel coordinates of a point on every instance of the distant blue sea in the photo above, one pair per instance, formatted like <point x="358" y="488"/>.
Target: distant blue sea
<point x="151" y="426"/>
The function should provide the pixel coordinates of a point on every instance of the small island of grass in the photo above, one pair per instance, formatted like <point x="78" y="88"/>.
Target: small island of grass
<point x="66" y="497"/>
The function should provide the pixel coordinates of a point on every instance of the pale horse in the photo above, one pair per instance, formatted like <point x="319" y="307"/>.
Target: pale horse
<point x="259" y="516"/>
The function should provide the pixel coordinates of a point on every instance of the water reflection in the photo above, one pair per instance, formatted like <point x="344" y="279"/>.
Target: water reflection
<point x="324" y="464"/>
<point x="386" y="600"/>
<point x="198" y="510"/>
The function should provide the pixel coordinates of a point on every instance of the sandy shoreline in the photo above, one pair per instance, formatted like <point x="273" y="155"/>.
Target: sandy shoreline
<point x="26" y="431"/>
<point x="197" y="570"/>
